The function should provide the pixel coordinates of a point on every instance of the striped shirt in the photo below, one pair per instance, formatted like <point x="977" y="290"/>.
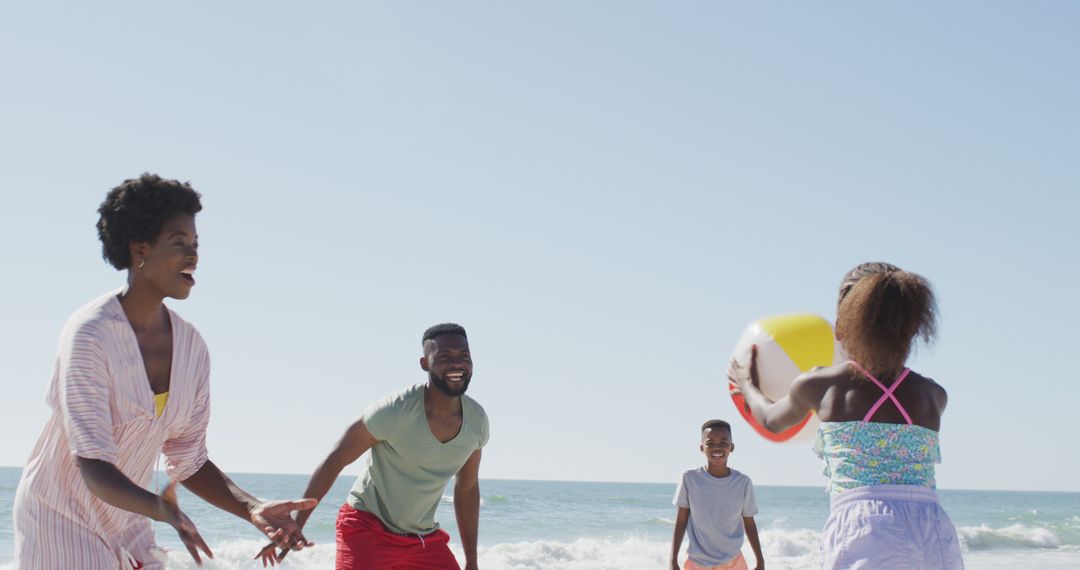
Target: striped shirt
<point x="103" y="408"/>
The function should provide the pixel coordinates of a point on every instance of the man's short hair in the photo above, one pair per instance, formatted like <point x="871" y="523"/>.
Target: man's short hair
<point x="445" y="328"/>
<point x="714" y="424"/>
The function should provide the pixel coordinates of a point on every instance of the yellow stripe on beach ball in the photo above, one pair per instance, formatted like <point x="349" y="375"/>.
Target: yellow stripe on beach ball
<point x="807" y="339"/>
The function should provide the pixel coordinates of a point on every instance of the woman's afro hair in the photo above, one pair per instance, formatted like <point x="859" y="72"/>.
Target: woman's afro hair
<point x="136" y="210"/>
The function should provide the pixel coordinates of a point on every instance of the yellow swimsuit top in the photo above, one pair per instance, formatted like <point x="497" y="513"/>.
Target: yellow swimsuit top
<point x="159" y="403"/>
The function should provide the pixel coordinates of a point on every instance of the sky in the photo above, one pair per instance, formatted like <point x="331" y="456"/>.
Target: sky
<point x="603" y="193"/>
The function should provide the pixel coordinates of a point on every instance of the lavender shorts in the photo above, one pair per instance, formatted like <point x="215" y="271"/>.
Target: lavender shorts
<point x="882" y="527"/>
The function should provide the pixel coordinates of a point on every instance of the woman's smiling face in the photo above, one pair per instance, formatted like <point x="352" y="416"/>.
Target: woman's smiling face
<point x="168" y="263"/>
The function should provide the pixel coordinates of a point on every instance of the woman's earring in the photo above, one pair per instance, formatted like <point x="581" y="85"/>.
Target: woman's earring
<point x="142" y="262"/>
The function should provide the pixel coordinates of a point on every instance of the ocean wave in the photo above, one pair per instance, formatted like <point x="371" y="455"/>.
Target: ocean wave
<point x="793" y="549"/>
<point x="797" y="552"/>
<point x="631" y="553"/>
<point x="799" y="544"/>
<point x="493" y="499"/>
<point x="583" y="554"/>
<point x="238" y="554"/>
<point x="1015" y="536"/>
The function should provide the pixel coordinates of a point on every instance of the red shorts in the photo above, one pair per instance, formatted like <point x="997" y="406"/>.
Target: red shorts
<point x="363" y="543"/>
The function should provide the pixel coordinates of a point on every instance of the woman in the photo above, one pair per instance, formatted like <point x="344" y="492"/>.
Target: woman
<point x="131" y="381"/>
<point x="879" y="427"/>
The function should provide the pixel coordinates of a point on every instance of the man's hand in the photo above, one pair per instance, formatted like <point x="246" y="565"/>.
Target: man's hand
<point x="189" y="535"/>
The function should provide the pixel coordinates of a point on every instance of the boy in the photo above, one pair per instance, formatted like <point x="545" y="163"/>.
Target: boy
<point x="719" y="505"/>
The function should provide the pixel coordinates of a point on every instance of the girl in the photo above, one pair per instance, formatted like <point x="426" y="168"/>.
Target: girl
<point x="879" y="426"/>
<point x="131" y="381"/>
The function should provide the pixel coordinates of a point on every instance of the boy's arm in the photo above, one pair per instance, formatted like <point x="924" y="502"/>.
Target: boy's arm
<point x="680" y="530"/>
<point x="751" y="534"/>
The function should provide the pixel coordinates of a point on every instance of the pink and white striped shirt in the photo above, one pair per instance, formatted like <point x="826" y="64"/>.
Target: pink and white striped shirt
<point x="103" y="408"/>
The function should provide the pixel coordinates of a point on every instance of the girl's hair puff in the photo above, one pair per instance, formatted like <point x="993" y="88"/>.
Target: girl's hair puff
<point x="882" y="309"/>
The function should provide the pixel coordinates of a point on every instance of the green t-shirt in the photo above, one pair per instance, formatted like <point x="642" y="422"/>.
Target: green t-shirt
<point x="408" y="469"/>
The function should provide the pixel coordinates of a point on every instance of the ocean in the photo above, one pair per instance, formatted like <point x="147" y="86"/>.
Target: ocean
<point x="558" y="525"/>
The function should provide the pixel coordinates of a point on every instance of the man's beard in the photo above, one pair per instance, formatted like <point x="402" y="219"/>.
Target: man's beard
<point x="446" y="389"/>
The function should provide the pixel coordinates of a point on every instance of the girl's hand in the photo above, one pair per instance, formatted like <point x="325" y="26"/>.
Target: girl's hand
<point x="743" y="377"/>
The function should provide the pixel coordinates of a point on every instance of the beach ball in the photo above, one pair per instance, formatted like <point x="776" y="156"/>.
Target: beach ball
<point x="787" y="346"/>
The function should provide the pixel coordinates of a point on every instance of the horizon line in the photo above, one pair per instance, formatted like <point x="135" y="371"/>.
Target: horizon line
<point x="659" y="483"/>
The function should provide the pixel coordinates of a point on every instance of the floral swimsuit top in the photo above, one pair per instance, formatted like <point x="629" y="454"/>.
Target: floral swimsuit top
<point x="862" y="453"/>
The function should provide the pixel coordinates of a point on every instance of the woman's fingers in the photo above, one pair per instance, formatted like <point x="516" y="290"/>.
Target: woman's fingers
<point x="191" y="550"/>
<point x="298" y="542"/>
<point x="268" y="554"/>
<point x="300" y="505"/>
<point x="280" y="538"/>
<point x="202" y="544"/>
<point x="192" y="540"/>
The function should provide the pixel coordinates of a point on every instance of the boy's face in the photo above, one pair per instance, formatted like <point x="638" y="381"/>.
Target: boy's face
<point x="716" y="445"/>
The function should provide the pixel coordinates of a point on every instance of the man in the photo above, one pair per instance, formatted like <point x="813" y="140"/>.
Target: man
<point x="419" y="438"/>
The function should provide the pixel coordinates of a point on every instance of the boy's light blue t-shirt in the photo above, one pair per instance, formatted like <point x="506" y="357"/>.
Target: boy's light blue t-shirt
<point x="408" y="469"/>
<point x="717" y="507"/>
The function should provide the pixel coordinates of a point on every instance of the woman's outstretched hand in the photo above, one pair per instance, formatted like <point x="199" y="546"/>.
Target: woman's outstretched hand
<point x="270" y="555"/>
<point x="275" y="519"/>
<point x="189" y="535"/>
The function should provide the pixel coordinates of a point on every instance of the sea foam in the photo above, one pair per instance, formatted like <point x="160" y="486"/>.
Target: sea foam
<point x="794" y="549"/>
<point x="1016" y="536"/>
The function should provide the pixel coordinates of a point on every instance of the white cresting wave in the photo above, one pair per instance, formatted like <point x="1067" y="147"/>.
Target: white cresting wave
<point x="1015" y="536"/>
<point x="582" y="554"/>
<point x="795" y="549"/>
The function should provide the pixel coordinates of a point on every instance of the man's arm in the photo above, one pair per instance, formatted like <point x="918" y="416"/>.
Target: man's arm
<point x="751" y="535"/>
<point x="349" y="448"/>
<point x="467" y="507"/>
<point x="681" y="519"/>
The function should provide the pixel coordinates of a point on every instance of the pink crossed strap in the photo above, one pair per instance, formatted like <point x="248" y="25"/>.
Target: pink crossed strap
<point x="888" y="395"/>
